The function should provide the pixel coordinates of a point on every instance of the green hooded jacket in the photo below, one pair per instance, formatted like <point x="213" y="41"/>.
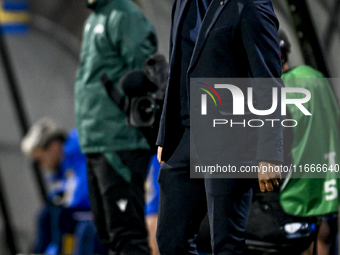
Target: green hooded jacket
<point x="117" y="38"/>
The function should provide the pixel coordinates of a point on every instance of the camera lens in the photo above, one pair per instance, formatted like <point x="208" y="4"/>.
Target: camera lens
<point x="145" y="108"/>
<point x="142" y="112"/>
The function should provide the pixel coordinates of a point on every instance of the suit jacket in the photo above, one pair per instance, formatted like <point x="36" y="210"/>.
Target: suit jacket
<point x="238" y="38"/>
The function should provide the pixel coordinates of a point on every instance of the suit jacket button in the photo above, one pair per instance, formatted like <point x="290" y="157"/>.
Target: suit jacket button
<point x="222" y="3"/>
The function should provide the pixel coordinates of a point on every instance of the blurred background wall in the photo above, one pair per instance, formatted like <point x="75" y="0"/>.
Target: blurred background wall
<point x="44" y="60"/>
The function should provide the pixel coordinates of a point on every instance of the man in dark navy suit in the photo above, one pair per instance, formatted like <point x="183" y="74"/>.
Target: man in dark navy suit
<point x="215" y="39"/>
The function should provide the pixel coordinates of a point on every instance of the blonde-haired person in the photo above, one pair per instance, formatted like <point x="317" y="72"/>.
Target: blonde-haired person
<point x="58" y="156"/>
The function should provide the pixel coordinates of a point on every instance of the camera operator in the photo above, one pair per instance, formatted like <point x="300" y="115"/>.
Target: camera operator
<point x="117" y="38"/>
<point x="142" y="103"/>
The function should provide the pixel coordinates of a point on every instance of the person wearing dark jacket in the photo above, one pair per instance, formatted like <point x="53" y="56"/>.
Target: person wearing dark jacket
<point x="216" y="39"/>
<point x="117" y="38"/>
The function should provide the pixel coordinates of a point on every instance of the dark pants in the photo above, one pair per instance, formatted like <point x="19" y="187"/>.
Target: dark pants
<point x="121" y="228"/>
<point x="88" y="242"/>
<point x="49" y="233"/>
<point x="184" y="203"/>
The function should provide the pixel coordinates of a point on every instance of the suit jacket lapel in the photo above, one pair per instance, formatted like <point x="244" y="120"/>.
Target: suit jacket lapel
<point x="177" y="19"/>
<point x="209" y="20"/>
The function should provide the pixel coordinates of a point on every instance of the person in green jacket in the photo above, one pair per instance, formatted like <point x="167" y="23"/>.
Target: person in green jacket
<point x="315" y="146"/>
<point x="117" y="38"/>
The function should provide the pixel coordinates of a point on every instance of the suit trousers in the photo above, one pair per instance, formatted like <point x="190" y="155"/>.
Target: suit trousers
<point x="118" y="206"/>
<point x="184" y="202"/>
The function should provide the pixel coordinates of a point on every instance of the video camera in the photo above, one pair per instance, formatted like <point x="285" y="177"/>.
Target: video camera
<point x="143" y="95"/>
